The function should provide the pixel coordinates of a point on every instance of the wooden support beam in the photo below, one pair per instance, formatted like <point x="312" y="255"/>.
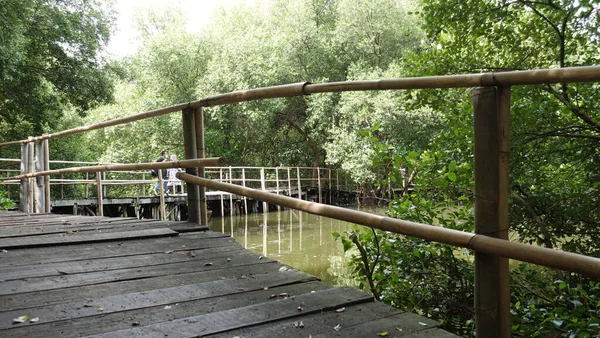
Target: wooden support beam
<point x="230" y="195"/>
<point x="31" y="181"/>
<point x="46" y="147"/>
<point x="39" y="203"/>
<point x="190" y="146"/>
<point x="24" y="181"/>
<point x="200" y="153"/>
<point x="319" y="184"/>
<point x="161" y="196"/>
<point x="100" y="211"/>
<point x="244" y="185"/>
<point x="263" y="187"/>
<point x="299" y="185"/>
<point x="491" y="129"/>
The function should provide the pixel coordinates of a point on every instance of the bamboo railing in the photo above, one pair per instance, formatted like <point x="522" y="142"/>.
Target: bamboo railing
<point x="491" y="101"/>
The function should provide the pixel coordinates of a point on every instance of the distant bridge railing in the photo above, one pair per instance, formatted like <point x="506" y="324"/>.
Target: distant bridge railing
<point x="491" y="107"/>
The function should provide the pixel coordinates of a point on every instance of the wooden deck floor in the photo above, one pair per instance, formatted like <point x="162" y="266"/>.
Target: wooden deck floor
<point x="115" y="277"/>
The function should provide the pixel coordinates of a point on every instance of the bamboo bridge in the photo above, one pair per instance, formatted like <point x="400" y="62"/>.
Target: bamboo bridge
<point x="88" y="276"/>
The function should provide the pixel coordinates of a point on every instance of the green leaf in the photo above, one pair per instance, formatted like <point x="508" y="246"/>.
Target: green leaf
<point x="452" y="176"/>
<point x="347" y="244"/>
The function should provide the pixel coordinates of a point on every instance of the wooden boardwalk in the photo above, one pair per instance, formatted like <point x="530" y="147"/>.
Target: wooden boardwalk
<point x="74" y="276"/>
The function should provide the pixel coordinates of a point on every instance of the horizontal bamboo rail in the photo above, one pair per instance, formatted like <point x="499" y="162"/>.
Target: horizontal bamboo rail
<point x="528" y="77"/>
<point x="480" y="243"/>
<point x="205" y="162"/>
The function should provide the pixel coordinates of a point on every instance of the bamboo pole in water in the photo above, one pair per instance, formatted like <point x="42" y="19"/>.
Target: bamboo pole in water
<point x="206" y="162"/>
<point x="480" y="243"/>
<point x="491" y="143"/>
<point x="528" y="77"/>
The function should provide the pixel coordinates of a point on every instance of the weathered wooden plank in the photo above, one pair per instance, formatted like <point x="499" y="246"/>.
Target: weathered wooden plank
<point x="103" y="323"/>
<point x="159" y="297"/>
<point x="322" y="322"/>
<point x="50" y="240"/>
<point x="63" y="281"/>
<point x="112" y="263"/>
<point x="202" y="325"/>
<point x="45" y="255"/>
<point x="35" y="299"/>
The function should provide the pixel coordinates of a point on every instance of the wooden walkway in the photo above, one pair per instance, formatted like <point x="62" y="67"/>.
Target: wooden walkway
<point x="74" y="276"/>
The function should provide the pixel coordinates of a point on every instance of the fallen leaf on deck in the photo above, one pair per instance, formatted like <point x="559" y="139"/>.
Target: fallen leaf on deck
<point x="383" y="334"/>
<point x="300" y="308"/>
<point x="424" y="324"/>
<point x="62" y="272"/>
<point x="3" y="250"/>
<point x="21" y="319"/>
<point x="283" y="268"/>
<point x="169" y="251"/>
<point x="34" y="320"/>
<point x="135" y="324"/>
<point x="260" y="257"/>
<point x="398" y="329"/>
<point x="241" y="289"/>
<point x="208" y="264"/>
<point x="190" y="254"/>
<point x="296" y="324"/>
<point x="229" y="259"/>
<point x="168" y="307"/>
<point x="266" y="288"/>
<point x="100" y="309"/>
<point x="342" y="309"/>
<point x="337" y="327"/>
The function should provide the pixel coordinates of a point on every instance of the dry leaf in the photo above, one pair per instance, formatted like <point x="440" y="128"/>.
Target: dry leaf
<point x="21" y="319"/>
<point x="383" y="334"/>
<point x="208" y="264"/>
<point x="337" y="327"/>
<point x="190" y="254"/>
<point x="100" y="309"/>
<point x="266" y="288"/>
<point x="169" y="251"/>
<point x="168" y="307"/>
<point x="300" y="308"/>
<point x="424" y="324"/>
<point x="62" y="272"/>
<point x="260" y="257"/>
<point x="342" y="309"/>
<point x="229" y="259"/>
<point x="135" y="324"/>
<point x="34" y="320"/>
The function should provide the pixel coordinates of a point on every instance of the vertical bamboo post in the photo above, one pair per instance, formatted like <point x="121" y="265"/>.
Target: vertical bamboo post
<point x="87" y="192"/>
<point x="39" y="203"/>
<point x="161" y="196"/>
<point x="263" y="187"/>
<point x="24" y="182"/>
<point x="329" y="184"/>
<point x="104" y="186"/>
<point x="244" y="197"/>
<point x="100" y="211"/>
<point x="289" y="179"/>
<point x="62" y="195"/>
<point x="230" y="194"/>
<point x="47" y="177"/>
<point x="31" y="181"/>
<point x="277" y="185"/>
<point x="190" y="146"/>
<point x="200" y="153"/>
<point x="299" y="185"/>
<point x="319" y="184"/>
<point x="491" y="129"/>
<point x="222" y="204"/>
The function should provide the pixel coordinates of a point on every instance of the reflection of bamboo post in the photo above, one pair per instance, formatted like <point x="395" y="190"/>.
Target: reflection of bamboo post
<point x="221" y="180"/>
<point x="319" y="184"/>
<point x="100" y="211"/>
<point x="244" y="197"/>
<point x="491" y="130"/>
<point x="230" y="195"/>
<point x="277" y="185"/>
<point x="24" y="181"/>
<point x="46" y="149"/>
<point x="263" y="188"/>
<point x="299" y="185"/>
<point x="161" y="197"/>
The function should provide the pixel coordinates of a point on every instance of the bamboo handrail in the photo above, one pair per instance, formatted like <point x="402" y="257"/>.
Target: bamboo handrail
<point x="527" y="253"/>
<point x="214" y="161"/>
<point x="528" y="77"/>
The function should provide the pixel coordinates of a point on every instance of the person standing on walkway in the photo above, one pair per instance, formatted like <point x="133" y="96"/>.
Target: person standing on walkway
<point x="171" y="176"/>
<point x="164" y="156"/>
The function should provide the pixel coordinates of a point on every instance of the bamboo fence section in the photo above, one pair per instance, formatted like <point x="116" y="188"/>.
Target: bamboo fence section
<point x="205" y="162"/>
<point x="480" y="243"/>
<point x="528" y="77"/>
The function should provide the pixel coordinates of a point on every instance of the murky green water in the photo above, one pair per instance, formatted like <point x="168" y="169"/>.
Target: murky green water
<point x="295" y="238"/>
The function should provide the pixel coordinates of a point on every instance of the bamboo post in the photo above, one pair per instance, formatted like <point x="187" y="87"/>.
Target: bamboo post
<point x="222" y="204"/>
<point x="104" y="186"/>
<point x="23" y="200"/>
<point x="200" y="153"/>
<point x="100" y="211"/>
<point x="230" y="195"/>
<point x="319" y="184"/>
<point x="31" y="181"/>
<point x="190" y="146"/>
<point x="39" y="203"/>
<point x="62" y="177"/>
<point x="87" y="192"/>
<point x="299" y="185"/>
<point x="289" y="179"/>
<point x="161" y="197"/>
<point x="244" y="185"/>
<point x="329" y="183"/>
<point x="263" y="187"/>
<point x="277" y="185"/>
<point x="46" y="144"/>
<point x="491" y="130"/>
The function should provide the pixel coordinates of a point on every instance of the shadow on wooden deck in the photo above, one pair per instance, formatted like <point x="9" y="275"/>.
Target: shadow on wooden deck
<point x="107" y="277"/>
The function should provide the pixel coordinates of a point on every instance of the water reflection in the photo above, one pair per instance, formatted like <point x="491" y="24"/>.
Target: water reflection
<point x="301" y="240"/>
